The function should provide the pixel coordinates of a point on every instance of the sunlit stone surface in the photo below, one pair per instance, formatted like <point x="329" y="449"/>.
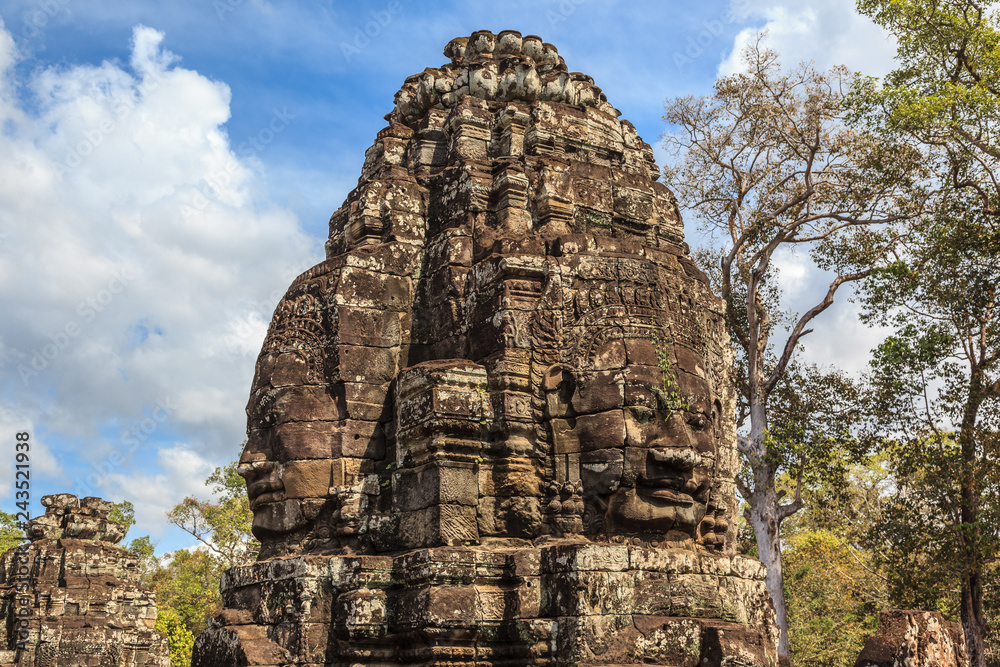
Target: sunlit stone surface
<point x="71" y="597"/>
<point x="495" y="426"/>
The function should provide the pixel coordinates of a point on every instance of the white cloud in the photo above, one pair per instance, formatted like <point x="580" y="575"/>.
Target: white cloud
<point x="841" y="339"/>
<point x="138" y="243"/>
<point x="40" y="458"/>
<point x="184" y="472"/>
<point x="794" y="271"/>
<point x="826" y="32"/>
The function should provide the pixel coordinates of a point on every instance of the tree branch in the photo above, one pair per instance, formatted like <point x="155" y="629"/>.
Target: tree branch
<point x="799" y="331"/>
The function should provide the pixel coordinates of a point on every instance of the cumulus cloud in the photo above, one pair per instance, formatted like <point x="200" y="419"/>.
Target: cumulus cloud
<point x="183" y="471"/>
<point x="825" y="32"/>
<point x="139" y="258"/>
<point x="40" y="458"/>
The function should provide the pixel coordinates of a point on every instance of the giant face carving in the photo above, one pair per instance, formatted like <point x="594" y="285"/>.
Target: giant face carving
<point x="508" y="249"/>
<point x="286" y="462"/>
<point x="305" y="456"/>
<point x="645" y="422"/>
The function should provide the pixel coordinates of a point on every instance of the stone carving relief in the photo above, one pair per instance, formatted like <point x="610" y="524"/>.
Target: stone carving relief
<point x="498" y="419"/>
<point x="71" y="597"/>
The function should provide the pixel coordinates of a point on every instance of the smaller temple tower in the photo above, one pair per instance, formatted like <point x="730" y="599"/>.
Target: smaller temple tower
<point x="71" y="597"/>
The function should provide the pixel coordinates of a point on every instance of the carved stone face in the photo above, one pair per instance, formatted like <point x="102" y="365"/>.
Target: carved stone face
<point x="302" y="458"/>
<point x="647" y="436"/>
<point x="280" y="463"/>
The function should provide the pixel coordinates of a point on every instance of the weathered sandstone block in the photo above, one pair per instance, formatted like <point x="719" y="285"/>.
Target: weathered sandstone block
<point x="914" y="639"/>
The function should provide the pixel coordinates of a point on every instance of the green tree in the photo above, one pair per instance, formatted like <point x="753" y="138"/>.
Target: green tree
<point x="11" y="535"/>
<point x="186" y="581"/>
<point x="833" y="582"/>
<point x="834" y="596"/>
<point x="145" y="549"/>
<point x="123" y="513"/>
<point x="937" y="395"/>
<point x="222" y="525"/>
<point x="187" y="584"/>
<point x="179" y="637"/>
<point x="946" y="91"/>
<point x="767" y="164"/>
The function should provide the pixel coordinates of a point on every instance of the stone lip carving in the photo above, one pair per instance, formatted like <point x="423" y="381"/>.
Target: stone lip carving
<point x="914" y="638"/>
<point x="72" y="598"/>
<point x="507" y="381"/>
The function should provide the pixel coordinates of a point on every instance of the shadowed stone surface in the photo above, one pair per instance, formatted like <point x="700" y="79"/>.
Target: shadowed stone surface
<point x="914" y="639"/>
<point x="495" y="425"/>
<point x="71" y="598"/>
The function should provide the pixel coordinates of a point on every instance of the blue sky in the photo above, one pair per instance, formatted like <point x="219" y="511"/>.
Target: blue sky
<point x="166" y="169"/>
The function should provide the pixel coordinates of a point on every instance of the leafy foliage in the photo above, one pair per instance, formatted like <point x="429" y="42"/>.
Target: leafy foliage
<point x="834" y="598"/>
<point x="186" y="581"/>
<point x="179" y="638"/>
<point x="767" y="164"/>
<point x="946" y="91"/>
<point x="123" y="513"/>
<point x="11" y="535"/>
<point x="187" y="584"/>
<point x="937" y="399"/>
<point x="223" y="526"/>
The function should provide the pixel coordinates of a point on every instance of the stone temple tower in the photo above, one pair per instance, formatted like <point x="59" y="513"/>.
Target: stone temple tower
<point x="71" y="597"/>
<point x="495" y="426"/>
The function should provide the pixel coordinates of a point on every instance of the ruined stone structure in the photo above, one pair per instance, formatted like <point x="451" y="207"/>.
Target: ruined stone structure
<point x="495" y="426"/>
<point x="914" y="639"/>
<point x="71" y="598"/>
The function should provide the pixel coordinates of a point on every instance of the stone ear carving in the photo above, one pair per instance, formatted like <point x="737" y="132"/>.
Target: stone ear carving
<point x="557" y="383"/>
<point x="555" y="376"/>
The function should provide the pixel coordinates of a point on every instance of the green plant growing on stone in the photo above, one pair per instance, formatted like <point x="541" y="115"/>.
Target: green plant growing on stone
<point x="597" y="220"/>
<point x="481" y="391"/>
<point x="668" y="393"/>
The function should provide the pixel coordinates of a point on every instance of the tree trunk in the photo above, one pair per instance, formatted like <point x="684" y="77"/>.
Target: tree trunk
<point x="762" y="516"/>
<point x="973" y="624"/>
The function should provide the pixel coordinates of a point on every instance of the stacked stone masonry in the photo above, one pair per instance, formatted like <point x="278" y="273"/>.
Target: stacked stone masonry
<point x="495" y="426"/>
<point x="71" y="597"/>
<point x="915" y="639"/>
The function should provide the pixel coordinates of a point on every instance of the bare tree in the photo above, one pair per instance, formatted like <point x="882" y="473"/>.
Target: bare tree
<point x="764" y="163"/>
